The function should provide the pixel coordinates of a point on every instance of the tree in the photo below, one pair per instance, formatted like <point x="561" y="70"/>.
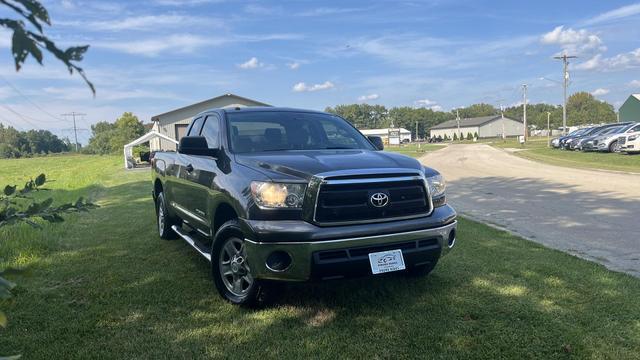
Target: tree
<point x="469" y="136"/>
<point x="583" y="108"/>
<point x="16" y="143"/>
<point x="108" y="138"/>
<point x="31" y="40"/>
<point x="455" y="136"/>
<point x="476" y="110"/>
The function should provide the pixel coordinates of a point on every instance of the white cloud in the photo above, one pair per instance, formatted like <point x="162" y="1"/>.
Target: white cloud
<point x="424" y="103"/>
<point x="634" y="83"/>
<point x="619" y="62"/>
<point x="181" y="43"/>
<point x="368" y="97"/>
<point x="149" y="22"/>
<point x="293" y="65"/>
<point x="616" y="14"/>
<point x="325" y="11"/>
<point x="301" y="87"/>
<point x="600" y="92"/>
<point x="574" y="42"/>
<point x="68" y="4"/>
<point x="252" y="63"/>
<point x="436" y="108"/>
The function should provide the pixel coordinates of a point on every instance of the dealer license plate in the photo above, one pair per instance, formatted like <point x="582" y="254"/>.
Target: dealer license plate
<point x="386" y="261"/>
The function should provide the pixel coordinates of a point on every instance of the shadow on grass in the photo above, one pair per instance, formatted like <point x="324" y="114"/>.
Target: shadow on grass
<point x="115" y="290"/>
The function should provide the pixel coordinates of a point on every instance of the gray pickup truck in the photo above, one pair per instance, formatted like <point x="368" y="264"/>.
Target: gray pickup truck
<point x="276" y="194"/>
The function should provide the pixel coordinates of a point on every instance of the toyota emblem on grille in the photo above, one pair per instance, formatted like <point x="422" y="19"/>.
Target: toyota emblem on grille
<point x="379" y="199"/>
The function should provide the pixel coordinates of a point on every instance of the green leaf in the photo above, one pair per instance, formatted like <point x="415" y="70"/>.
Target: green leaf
<point x="41" y="179"/>
<point x="9" y="190"/>
<point x="76" y="53"/>
<point x="3" y="319"/>
<point x="22" y="45"/>
<point x="36" y="9"/>
<point x="45" y="204"/>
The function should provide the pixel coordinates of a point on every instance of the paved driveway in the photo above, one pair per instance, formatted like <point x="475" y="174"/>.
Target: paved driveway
<point x="592" y="214"/>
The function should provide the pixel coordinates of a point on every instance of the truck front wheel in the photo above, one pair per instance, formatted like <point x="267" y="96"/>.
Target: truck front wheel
<point x="231" y="269"/>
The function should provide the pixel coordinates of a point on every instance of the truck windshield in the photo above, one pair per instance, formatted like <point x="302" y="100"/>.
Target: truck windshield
<point x="257" y="131"/>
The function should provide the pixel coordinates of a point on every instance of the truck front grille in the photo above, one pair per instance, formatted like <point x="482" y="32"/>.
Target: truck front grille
<point x="347" y="201"/>
<point x="622" y="140"/>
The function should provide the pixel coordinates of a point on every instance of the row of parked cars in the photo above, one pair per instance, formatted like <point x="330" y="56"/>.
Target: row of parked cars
<point x="616" y="137"/>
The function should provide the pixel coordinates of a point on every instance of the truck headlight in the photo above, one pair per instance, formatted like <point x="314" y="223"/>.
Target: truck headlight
<point x="277" y="195"/>
<point x="437" y="185"/>
<point x="632" y="137"/>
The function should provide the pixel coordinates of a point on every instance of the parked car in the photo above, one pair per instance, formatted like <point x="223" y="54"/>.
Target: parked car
<point x="576" y="142"/>
<point x="563" y="139"/>
<point x="630" y="143"/>
<point x="608" y="140"/>
<point x="274" y="194"/>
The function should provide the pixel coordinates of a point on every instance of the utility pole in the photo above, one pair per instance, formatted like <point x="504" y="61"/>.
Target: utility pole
<point x="548" y="129"/>
<point x="458" y="121"/>
<point x="565" y="76"/>
<point x="73" y="114"/>
<point x="504" y="136"/>
<point x="524" y="104"/>
<point x="416" y="131"/>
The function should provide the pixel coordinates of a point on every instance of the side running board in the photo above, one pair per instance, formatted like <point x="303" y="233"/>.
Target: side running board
<point x="194" y="243"/>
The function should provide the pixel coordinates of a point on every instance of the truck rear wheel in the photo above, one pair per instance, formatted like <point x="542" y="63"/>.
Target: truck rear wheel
<point x="231" y="269"/>
<point x="165" y="221"/>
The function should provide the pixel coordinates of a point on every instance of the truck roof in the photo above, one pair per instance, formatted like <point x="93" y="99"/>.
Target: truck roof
<point x="258" y="109"/>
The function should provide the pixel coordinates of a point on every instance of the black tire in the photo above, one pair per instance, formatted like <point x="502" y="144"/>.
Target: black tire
<point x="250" y="293"/>
<point x="420" y="270"/>
<point x="164" y="220"/>
<point x="613" y="147"/>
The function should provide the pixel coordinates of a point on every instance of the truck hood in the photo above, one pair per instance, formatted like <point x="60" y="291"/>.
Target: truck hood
<point x="303" y="164"/>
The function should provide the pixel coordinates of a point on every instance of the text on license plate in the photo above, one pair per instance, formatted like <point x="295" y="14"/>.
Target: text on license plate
<point x="386" y="261"/>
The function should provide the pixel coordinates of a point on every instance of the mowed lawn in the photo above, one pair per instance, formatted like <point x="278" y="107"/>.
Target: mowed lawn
<point x="412" y="149"/>
<point x="537" y="149"/>
<point x="103" y="285"/>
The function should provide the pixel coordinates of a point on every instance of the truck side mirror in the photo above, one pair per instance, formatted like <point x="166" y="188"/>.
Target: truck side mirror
<point x="377" y="142"/>
<point x="196" y="145"/>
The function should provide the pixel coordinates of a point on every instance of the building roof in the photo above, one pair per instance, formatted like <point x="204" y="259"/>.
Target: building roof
<point x="383" y="131"/>
<point x="469" y="122"/>
<point x="637" y="96"/>
<point x="157" y="117"/>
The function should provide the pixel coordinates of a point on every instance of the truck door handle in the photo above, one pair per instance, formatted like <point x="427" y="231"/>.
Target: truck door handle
<point x="189" y="168"/>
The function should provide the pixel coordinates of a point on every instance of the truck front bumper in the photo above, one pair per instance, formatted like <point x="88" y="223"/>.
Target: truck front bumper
<point x="344" y="257"/>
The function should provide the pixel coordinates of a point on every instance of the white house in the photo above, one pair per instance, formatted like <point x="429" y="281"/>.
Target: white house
<point x="485" y="127"/>
<point x="174" y="123"/>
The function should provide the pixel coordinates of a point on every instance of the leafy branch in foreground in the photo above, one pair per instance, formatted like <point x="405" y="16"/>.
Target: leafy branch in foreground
<point x="26" y="42"/>
<point x="10" y="212"/>
<point x="16" y="205"/>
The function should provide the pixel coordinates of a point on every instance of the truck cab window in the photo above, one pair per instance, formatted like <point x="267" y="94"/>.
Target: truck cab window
<point x="196" y="126"/>
<point x="211" y="131"/>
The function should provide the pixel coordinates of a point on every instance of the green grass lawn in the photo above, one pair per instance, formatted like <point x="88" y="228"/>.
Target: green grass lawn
<point x="103" y="285"/>
<point x="413" y="150"/>
<point x="536" y="149"/>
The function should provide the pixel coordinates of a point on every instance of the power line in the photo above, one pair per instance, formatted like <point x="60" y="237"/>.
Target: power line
<point x="73" y="114"/>
<point x="30" y="101"/>
<point x="21" y="116"/>
<point x="565" y="83"/>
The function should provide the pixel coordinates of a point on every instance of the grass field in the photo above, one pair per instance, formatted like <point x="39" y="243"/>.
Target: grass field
<point x="413" y="150"/>
<point x="103" y="285"/>
<point x="536" y="149"/>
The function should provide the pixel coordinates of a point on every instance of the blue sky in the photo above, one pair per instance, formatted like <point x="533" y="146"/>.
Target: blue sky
<point x="151" y="56"/>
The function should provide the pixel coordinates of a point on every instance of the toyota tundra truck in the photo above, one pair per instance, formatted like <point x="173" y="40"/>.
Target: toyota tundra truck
<point x="276" y="194"/>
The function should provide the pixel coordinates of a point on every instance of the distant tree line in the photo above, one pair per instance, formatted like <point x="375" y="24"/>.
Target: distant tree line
<point x="15" y="143"/>
<point x="110" y="138"/>
<point x="582" y="108"/>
